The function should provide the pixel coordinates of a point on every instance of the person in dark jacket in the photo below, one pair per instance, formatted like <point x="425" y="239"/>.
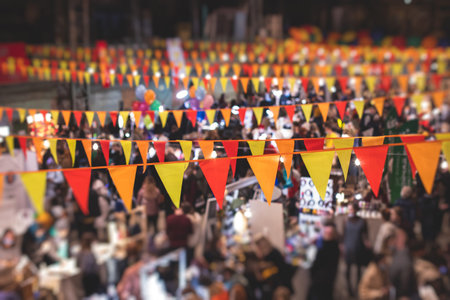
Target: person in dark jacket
<point x="324" y="269"/>
<point x="408" y="206"/>
<point x="178" y="227"/>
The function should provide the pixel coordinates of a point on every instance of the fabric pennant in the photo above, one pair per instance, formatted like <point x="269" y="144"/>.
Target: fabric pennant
<point x="426" y="159"/>
<point x="286" y="148"/>
<point x="78" y="115"/>
<point x="372" y="160"/>
<point x="66" y="116"/>
<point x="171" y="176"/>
<point x="372" y="140"/>
<point x="23" y="145"/>
<point x="256" y="147"/>
<point x="275" y="111"/>
<point x="242" y="112"/>
<point x="412" y="139"/>
<point x="446" y="151"/>
<point x="290" y="111"/>
<point x="22" y="113"/>
<point x="143" y="150"/>
<point x="105" y="150"/>
<point x="359" y="106"/>
<point x="318" y="165"/>
<point x="399" y="103"/>
<point x="210" y="114"/>
<point x="163" y="117"/>
<point x="231" y="148"/>
<point x="307" y="109"/>
<point x="113" y="115"/>
<point x="137" y="118"/>
<point x="37" y="142"/>
<point x="344" y="155"/>
<point x="126" y="147"/>
<point x="35" y="184"/>
<point x="160" y="148"/>
<point x="340" y="106"/>
<point x="379" y="104"/>
<point x="323" y="107"/>
<point x="258" y="112"/>
<point x="10" y="145"/>
<point x="123" y="179"/>
<point x="216" y="174"/>
<point x="186" y="147"/>
<point x="101" y="117"/>
<point x="89" y="117"/>
<point x="72" y="144"/>
<point x="55" y="115"/>
<point x="265" y="169"/>
<point x="226" y="114"/>
<point x="87" y="145"/>
<point x="207" y="148"/>
<point x="314" y="144"/>
<point x="178" y="115"/>
<point x="53" y="149"/>
<point x="192" y="116"/>
<point x="125" y="116"/>
<point x="79" y="180"/>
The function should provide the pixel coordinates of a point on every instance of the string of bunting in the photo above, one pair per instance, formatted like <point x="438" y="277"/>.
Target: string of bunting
<point x="318" y="161"/>
<point x="399" y="102"/>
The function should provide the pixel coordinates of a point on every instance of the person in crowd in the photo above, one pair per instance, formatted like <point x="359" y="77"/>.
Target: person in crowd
<point x="196" y="221"/>
<point x="87" y="263"/>
<point x="100" y="221"/>
<point x="407" y="204"/>
<point x="430" y="216"/>
<point x="374" y="283"/>
<point x="178" y="228"/>
<point x="150" y="196"/>
<point x="387" y="229"/>
<point x="401" y="270"/>
<point x="324" y="269"/>
<point x="355" y="243"/>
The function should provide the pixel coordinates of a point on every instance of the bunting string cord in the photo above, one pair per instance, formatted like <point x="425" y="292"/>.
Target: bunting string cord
<point x="199" y="160"/>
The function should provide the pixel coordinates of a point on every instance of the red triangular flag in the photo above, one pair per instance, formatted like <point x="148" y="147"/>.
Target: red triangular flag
<point x="412" y="139"/>
<point x="341" y="106"/>
<point x="216" y="174"/>
<point x="113" y="115"/>
<point x="290" y="110"/>
<point x="23" y="145"/>
<point x="314" y="144"/>
<point x="160" y="147"/>
<point x="231" y="148"/>
<point x="192" y="116"/>
<point x="79" y="180"/>
<point x="242" y="112"/>
<point x="305" y="82"/>
<point x="77" y="114"/>
<point x="151" y="114"/>
<point x="9" y="113"/>
<point x="120" y="79"/>
<point x="399" y="103"/>
<point x="105" y="150"/>
<point x="372" y="161"/>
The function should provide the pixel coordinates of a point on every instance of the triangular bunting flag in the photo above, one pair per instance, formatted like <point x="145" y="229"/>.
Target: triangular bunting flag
<point x="113" y="115"/>
<point x="87" y="145"/>
<point x="66" y="116"/>
<point x="379" y="104"/>
<point x="344" y="155"/>
<point x="257" y="147"/>
<point x="171" y="176"/>
<point x="192" y="116"/>
<point x="38" y="147"/>
<point x="258" y="112"/>
<point x="10" y="144"/>
<point x="226" y="114"/>
<point x="426" y="164"/>
<point x="223" y="83"/>
<point x="372" y="161"/>
<point x="123" y="179"/>
<point x="207" y="148"/>
<point x="126" y="146"/>
<point x="137" y="118"/>
<point x="242" y="112"/>
<point x="124" y="115"/>
<point x="323" y="107"/>
<point x="143" y="150"/>
<point x="341" y="106"/>
<point x="290" y="111"/>
<point x="286" y="148"/>
<point x="216" y="174"/>
<point x="78" y="114"/>
<point x="53" y="150"/>
<point x="438" y="98"/>
<point x="307" y="109"/>
<point x="210" y="114"/>
<point x="359" y="106"/>
<point x="231" y="148"/>
<point x="275" y="111"/>
<point x="105" y="150"/>
<point x="372" y="141"/>
<point x="412" y="139"/>
<point x="23" y="145"/>
<point x="22" y="113"/>
<point x="399" y="103"/>
<point x="160" y="148"/>
<point x="89" y="117"/>
<point x="35" y="184"/>
<point x="244" y="83"/>
<point x="318" y="165"/>
<point x="101" y="117"/>
<point x="55" y="115"/>
<point x="72" y="144"/>
<point x="314" y="144"/>
<point x="163" y="117"/>
<point x="178" y="115"/>
<point x="186" y="147"/>
<point x="256" y="82"/>
<point x="446" y="150"/>
<point x="265" y="169"/>
<point x="79" y="180"/>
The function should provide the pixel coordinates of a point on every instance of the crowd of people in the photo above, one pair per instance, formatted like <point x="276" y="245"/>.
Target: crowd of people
<point x="409" y="259"/>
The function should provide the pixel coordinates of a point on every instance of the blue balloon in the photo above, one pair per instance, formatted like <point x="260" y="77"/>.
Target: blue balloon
<point x="200" y="93"/>
<point x="140" y="91"/>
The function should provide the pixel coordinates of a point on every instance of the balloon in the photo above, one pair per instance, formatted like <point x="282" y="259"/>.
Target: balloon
<point x="200" y="93"/>
<point x="149" y="97"/>
<point x="140" y="92"/>
<point x="136" y="105"/>
<point x="143" y="106"/>
<point x="155" y="105"/>
<point x="208" y="102"/>
<point x="194" y="103"/>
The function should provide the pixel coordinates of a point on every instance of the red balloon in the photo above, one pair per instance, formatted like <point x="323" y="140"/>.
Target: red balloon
<point x="136" y="105"/>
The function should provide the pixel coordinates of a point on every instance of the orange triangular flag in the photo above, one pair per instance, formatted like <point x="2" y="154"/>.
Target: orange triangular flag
<point x="438" y="98"/>
<point x="143" y="150"/>
<point x="207" y="148"/>
<point x="244" y="83"/>
<point x="403" y="82"/>
<point x="379" y="104"/>
<point x="123" y="178"/>
<point x="372" y="141"/>
<point x="137" y="117"/>
<point x="226" y="114"/>
<point x="275" y="111"/>
<point x="212" y="82"/>
<point x="101" y="117"/>
<point x="178" y="115"/>
<point x="88" y="149"/>
<point x="286" y="148"/>
<point x="38" y="147"/>
<point x="66" y="115"/>
<point x="156" y="80"/>
<point x="324" y="106"/>
<point x="265" y="169"/>
<point x="426" y="158"/>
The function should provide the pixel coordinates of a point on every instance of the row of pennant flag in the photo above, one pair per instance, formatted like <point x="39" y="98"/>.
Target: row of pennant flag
<point x="423" y="157"/>
<point x="398" y="102"/>
<point x="209" y="74"/>
<point x="213" y="51"/>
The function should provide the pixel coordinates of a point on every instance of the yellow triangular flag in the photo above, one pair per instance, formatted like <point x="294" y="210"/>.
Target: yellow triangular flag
<point x="359" y="106"/>
<point x="137" y="80"/>
<point x="126" y="146"/>
<point x="257" y="147"/>
<point x="123" y="179"/>
<point x="10" y="144"/>
<point x="72" y="144"/>
<point x="258" y="112"/>
<point x="442" y="136"/>
<point x="223" y="83"/>
<point x="112" y="78"/>
<point x="171" y="176"/>
<point x="372" y="141"/>
<point x="255" y="82"/>
<point x="426" y="158"/>
<point x="178" y="115"/>
<point x="53" y="149"/>
<point x="89" y="116"/>
<point x="275" y="111"/>
<point x="307" y="109"/>
<point x="22" y="112"/>
<point x="379" y="104"/>
<point x="87" y="145"/>
<point x="324" y="106"/>
<point x="55" y="115"/>
<point x="226" y="114"/>
<point x="124" y="115"/>
<point x="101" y="117"/>
<point x="210" y="114"/>
<point x="167" y="81"/>
<point x="186" y="147"/>
<point x="35" y="184"/>
<point x="370" y="81"/>
<point x="163" y="117"/>
<point x="446" y="151"/>
<point x="265" y="169"/>
<point x="318" y="165"/>
<point x="344" y="155"/>
<point x="195" y="82"/>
